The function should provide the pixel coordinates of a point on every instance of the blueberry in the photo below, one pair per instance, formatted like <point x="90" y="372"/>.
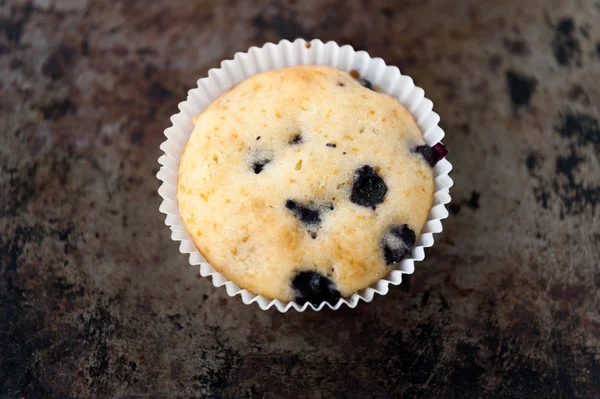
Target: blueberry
<point x="297" y="139"/>
<point x="332" y="145"/>
<point x="313" y="287"/>
<point x="439" y="151"/>
<point x="396" y="243"/>
<point x="305" y="214"/>
<point x="369" y="189"/>
<point x="366" y="83"/>
<point x="258" y="166"/>
<point x="309" y="214"/>
<point x="431" y="154"/>
<point x="259" y="158"/>
<point x="425" y="151"/>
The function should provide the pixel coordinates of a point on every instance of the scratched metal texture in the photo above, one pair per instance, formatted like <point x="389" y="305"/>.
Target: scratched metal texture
<point x="96" y="300"/>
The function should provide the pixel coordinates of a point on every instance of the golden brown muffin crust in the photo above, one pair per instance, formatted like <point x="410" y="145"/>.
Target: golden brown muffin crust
<point x="267" y="178"/>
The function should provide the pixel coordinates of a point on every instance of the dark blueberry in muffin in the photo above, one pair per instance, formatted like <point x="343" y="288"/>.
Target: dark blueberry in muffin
<point x="426" y="152"/>
<point x="305" y="214"/>
<point x="309" y="214"/>
<point x="396" y="243"/>
<point x="431" y="154"/>
<point x="366" y="83"/>
<point x="311" y="286"/>
<point x="332" y="145"/>
<point x="258" y="166"/>
<point x="369" y="189"/>
<point x="297" y="139"/>
<point x="259" y="158"/>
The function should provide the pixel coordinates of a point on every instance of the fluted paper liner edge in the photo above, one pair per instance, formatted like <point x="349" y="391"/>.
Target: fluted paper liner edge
<point x="281" y="55"/>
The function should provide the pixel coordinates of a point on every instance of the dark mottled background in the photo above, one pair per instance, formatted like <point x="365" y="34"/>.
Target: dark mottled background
<point x="96" y="300"/>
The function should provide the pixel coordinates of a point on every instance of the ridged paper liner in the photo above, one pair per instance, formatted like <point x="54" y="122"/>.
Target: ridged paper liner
<point x="286" y="54"/>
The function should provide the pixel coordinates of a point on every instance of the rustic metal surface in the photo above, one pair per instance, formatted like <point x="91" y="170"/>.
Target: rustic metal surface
<point x="96" y="301"/>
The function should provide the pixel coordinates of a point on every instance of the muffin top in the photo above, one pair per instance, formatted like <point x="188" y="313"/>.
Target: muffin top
<point x="305" y="184"/>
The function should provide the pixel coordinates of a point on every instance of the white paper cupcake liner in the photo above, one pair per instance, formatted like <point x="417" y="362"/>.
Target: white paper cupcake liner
<point x="286" y="54"/>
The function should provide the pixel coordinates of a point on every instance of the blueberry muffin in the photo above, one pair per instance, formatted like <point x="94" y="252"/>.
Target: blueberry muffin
<point x="305" y="184"/>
